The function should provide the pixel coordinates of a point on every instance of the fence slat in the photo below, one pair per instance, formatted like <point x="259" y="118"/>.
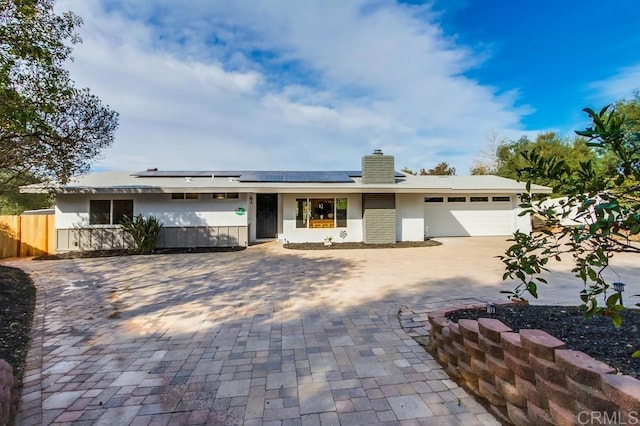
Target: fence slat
<point x="28" y="235"/>
<point x="8" y="236"/>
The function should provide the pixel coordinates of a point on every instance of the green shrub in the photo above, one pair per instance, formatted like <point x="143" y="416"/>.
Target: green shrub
<point x="144" y="232"/>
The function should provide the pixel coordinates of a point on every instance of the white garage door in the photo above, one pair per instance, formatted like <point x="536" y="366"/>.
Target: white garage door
<point x="462" y="216"/>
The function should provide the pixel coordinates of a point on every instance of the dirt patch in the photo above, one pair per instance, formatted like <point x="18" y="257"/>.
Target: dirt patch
<point x="112" y="253"/>
<point x="597" y="337"/>
<point x="17" y="303"/>
<point x="348" y="246"/>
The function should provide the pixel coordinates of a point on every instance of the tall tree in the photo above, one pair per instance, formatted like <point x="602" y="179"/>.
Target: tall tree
<point x="441" y="169"/>
<point x="13" y="202"/>
<point x="604" y="202"/>
<point x="630" y="109"/>
<point x="510" y="157"/>
<point x="481" y="168"/>
<point x="49" y="129"/>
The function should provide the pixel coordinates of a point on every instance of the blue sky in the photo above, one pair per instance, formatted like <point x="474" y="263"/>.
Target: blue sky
<point x="280" y="84"/>
<point x="551" y="51"/>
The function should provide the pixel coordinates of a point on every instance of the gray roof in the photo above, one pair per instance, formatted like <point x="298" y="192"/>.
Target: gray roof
<point x="282" y="182"/>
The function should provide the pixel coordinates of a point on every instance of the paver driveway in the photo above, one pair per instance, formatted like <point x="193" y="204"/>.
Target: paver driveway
<point x="262" y="336"/>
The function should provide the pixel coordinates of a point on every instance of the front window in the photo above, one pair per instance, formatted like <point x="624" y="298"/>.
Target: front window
<point x="321" y="213"/>
<point x="99" y="212"/>
<point x="122" y="208"/>
<point x="225" y="195"/>
<point x="109" y="212"/>
<point x="433" y="199"/>
<point x="456" y="199"/>
<point x="184" y="196"/>
<point x="500" y="199"/>
<point x="302" y="212"/>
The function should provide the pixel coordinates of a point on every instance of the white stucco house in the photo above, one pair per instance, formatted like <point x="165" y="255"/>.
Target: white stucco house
<point x="234" y="208"/>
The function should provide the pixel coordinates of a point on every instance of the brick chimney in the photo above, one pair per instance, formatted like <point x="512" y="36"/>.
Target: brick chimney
<point x="378" y="168"/>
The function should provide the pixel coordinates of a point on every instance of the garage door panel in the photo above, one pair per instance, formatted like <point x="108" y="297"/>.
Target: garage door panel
<point x="468" y="219"/>
<point x="441" y="222"/>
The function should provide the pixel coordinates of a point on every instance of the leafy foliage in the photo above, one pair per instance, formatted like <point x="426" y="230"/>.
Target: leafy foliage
<point x="144" y="232"/>
<point x="441" y="169"/>
<point x="481" y="168"/>
<point x="604" y="207"/>
<point x="49" y="129"/>
<point x="13" y="202"/>
<point x="508" y="157"/>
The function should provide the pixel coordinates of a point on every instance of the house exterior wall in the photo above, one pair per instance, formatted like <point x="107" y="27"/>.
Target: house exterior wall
<point x="114" y="237"/>
<point x="301" y="235"/>
<point x="410" y="217"/>
<point x="186" y="223"/>
<point x="280" y="216"/>
<point x="523" y="223"/>
<point x="379" y="218"/>
<point x="251" y="216"/>
<point x="72" y="211"/>
<point x="207" y="222"/>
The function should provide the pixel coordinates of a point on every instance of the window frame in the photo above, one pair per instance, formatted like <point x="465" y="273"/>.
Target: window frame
<point x="434" y="200"/>
<point x="303" y="214"/>
<point x="479" y="199"/>
<point x="98" y="216"/>
<point x="111" y="211"/>
<point x="457" y="199"/>
<point x="185" y="196"/>
<point x="495" y="199"/>
<point x="122" y="212"/>
<point x="216" y="196"/>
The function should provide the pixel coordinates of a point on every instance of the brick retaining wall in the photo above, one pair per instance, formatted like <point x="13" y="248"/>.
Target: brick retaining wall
<point x="530" y="377"/>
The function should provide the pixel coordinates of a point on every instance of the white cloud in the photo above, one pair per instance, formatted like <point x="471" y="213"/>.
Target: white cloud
<point x="618" y="86"/>
<point x="281" y="84"/>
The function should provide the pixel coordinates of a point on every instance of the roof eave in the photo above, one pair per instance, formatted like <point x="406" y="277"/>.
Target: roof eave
<point x="265" y="188"/>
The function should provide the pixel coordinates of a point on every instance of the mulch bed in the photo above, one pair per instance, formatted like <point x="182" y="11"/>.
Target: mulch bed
<point x="347" y="246"/>
<point x="17" y="303"/>
<point x="597" y="337"/>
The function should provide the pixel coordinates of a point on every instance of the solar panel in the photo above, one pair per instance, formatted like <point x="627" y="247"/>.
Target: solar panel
<point x="295" y="176"/>
<point x="186" y="173"/>
<point x="262" y="176"/>
<point x="257" y="176"/>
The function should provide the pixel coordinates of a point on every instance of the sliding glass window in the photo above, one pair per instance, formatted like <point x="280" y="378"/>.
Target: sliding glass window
<point x="318" y="213"/>
<point x="109" y="212"/>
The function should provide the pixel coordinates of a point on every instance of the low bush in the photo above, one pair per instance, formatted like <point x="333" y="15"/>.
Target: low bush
<point x="144" y="231"/>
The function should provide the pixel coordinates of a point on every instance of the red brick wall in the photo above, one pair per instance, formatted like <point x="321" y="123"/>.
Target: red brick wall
<point x="530" y="377"/>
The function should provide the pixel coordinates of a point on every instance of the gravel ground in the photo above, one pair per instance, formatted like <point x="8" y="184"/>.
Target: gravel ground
<point x="17" y="302"/>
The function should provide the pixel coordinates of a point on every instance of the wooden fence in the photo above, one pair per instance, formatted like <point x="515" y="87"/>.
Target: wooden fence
<point x="27" y="235"/>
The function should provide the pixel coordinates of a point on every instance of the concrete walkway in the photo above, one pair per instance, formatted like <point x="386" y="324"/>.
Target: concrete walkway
<point x="264" y="336"/>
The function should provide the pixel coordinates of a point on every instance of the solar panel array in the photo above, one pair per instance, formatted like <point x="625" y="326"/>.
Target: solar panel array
<point x="296" y="177"/>
<point x="187" y="173"/>
<point x="264" y="176"/>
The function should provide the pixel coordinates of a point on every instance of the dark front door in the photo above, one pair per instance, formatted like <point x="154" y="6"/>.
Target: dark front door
<point x="266" y="215"/>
